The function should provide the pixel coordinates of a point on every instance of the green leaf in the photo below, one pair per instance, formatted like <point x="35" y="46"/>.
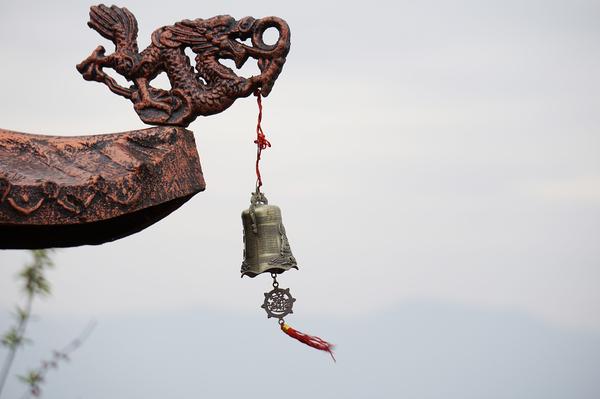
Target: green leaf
<point x="20" y="314"/>
<point x="12" y="339"/>
<point x="32" y="378"/>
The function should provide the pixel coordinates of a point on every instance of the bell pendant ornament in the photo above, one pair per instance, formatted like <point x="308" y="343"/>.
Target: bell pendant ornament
<point x="267" y="250"/>
<point x="266" y="247"/>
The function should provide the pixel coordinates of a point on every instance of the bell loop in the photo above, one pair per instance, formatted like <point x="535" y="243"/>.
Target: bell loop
<point x="256" y="198"/>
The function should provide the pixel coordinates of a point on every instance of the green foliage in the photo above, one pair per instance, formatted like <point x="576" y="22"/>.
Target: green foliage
<point x="12" y="339"/>
<point x="33" y="283"/>
<point x="20" y="314"/>
<point x="33" y="277"/>
<point x="33" y="379"/>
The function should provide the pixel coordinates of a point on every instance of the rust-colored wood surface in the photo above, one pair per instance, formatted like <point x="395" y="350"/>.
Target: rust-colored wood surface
<point x="68" y="191"/>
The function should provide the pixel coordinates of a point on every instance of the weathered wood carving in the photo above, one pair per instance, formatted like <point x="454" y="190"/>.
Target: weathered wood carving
<point x="65" y="191"/>
<point x="210" y="88"/>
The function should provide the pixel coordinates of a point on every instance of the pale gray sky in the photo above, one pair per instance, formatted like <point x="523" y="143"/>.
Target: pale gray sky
<point x="430" y="158"/>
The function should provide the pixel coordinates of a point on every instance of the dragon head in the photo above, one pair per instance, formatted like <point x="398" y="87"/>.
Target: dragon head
<point x="226" y="35"/>
<point x="223" y="37"/>
<point x="249" y="28"/>
<point x="270" y="57"/>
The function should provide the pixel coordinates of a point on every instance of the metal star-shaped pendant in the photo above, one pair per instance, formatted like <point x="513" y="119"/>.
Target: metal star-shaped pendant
<point x="278" y="303"/>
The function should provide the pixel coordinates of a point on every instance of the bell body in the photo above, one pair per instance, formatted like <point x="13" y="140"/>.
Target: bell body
<point x="266" y="247"/>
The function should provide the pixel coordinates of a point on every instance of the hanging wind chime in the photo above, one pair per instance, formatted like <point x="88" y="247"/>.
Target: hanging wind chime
<point x="267" y="250"/>
<point x="68" y="191"/>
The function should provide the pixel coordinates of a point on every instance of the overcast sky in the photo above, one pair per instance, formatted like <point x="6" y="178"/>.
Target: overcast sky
<point x="431" y="159"/>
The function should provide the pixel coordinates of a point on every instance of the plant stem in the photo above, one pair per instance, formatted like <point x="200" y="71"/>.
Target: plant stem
<point x="12" y="350"/>
<point x="63" y="354"/>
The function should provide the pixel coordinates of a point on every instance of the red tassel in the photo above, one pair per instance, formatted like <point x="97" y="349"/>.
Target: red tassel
<point x="309" y="340"/>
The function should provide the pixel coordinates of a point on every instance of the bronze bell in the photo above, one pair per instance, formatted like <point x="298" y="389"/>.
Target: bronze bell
<point x="266" y="247"/>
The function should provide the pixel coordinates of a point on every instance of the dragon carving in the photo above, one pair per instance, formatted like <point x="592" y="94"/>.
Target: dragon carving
<point x="207" y="89"/>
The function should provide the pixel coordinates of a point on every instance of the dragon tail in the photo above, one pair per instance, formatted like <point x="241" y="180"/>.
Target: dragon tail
<point x="117" y="24"/>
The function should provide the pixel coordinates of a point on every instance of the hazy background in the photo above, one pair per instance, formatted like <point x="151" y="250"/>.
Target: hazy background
<point x="437" y="164"/>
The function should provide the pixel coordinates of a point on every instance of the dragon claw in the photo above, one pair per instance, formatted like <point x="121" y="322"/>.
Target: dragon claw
<point x="149" y="103"/>
<point x="99" y="51"/>
<point x="90" y="68"/>
<point x="91" y="71"/>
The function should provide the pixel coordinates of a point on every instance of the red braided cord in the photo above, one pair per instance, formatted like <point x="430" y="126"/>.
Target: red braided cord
<point x="261" y="140"/>
<point x="309" y="340"/>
